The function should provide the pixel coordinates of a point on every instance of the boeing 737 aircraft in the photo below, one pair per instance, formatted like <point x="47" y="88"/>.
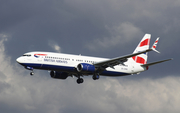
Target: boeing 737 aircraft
<point x="62" y="66"/>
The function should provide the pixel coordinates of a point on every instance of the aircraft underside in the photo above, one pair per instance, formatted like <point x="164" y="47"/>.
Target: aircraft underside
<point x="71" y="71"/>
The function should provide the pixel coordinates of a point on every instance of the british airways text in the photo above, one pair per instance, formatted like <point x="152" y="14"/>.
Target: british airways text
<point x="58" y="61"/>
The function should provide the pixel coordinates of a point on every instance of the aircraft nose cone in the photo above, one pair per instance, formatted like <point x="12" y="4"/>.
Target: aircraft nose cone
<point x="18" y="60"/>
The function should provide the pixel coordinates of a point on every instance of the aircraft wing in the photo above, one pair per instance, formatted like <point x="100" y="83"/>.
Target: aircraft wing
<point x="118" y="60"/>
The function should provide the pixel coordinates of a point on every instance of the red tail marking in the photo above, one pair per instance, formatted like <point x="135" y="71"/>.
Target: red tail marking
<point x="134" y="58"/>
<point x="154" y="47"/>
<point x="138" y="59"/>
<point x="144" y="43"/>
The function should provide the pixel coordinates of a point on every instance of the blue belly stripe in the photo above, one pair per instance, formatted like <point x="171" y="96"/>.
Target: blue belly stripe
<point x="70" y="69"/>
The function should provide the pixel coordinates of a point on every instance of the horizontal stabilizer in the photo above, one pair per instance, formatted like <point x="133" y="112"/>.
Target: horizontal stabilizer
<point x="153" y="63"/>
<point x="155" y="45"/>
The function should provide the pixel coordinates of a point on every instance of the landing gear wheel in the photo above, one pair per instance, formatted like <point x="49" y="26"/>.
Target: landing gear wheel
<point x="31" y="73"/>
<point x="95" y="76"/>
<point x="80" y="80"/>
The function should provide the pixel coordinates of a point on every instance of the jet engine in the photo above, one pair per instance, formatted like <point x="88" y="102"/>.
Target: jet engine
<point x="58" y="75"/>
<point x="84" y="67"/>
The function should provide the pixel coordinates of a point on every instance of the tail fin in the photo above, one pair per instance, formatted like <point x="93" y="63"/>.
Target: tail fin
<point x="142" y="46"/>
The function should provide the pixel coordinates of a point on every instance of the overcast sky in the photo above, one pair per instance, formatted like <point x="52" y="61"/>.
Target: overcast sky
<point x="102" y="28"/>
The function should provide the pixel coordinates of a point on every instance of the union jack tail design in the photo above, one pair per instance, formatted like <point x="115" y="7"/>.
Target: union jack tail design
<point x="142" y="46"/>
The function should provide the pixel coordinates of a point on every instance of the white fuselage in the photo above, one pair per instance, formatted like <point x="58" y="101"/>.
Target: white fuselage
<point x="68" y="63"/>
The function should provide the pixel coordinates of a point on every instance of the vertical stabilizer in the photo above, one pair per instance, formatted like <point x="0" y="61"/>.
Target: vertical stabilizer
<point x="142" y="46"/>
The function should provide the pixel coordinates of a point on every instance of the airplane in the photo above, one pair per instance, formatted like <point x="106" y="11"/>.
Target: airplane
<point x="62" y="65"/>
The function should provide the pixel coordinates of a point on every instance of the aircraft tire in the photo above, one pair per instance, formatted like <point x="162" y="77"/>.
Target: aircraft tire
<point x="31" y="73"/>
<point x="95" y="76"/>
<point x="80" y="80"/>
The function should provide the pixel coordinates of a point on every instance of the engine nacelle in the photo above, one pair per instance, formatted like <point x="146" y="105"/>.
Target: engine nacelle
<point x="84" y="67"/>
<point x="58" y="75"/>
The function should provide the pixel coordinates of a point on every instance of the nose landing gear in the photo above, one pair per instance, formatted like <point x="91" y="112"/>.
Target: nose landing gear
<point x="30" y="68"/>
<point x="32" y="73"/>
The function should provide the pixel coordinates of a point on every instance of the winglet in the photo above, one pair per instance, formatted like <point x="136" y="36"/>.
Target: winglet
<point x="155" y="45"/>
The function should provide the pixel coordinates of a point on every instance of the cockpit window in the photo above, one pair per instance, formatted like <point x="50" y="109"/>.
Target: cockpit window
<point x="28" y="55"/>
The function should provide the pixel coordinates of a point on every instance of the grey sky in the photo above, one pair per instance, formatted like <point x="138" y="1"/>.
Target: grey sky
<point x="103" y="28"/>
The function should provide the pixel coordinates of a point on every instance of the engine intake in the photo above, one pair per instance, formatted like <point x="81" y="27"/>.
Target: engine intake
<point x="84" y="67"/>
<point x="58" y="75"/>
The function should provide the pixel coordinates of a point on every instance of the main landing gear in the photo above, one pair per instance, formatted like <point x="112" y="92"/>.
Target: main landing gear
<point x="80" y="80"/>
<point x="95" y="76"/>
